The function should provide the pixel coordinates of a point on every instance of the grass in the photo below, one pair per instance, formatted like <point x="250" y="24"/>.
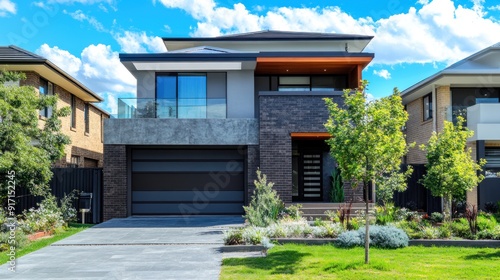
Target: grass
<point x="40" y="243"/>
<point x="327" y="262"/>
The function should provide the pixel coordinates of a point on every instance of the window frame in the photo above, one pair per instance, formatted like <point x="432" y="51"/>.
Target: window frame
<point x="311" y="85"/>
<point x="73" y="112"/>
<point x="48" y="87"/>
<point x="427" y="114"/>
<point x="86" y="117"/>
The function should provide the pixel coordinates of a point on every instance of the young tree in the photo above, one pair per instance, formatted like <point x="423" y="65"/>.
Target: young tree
<point x="367" y="141"/>
<point x="25" y="147"/>
<point x="451" y="171"/>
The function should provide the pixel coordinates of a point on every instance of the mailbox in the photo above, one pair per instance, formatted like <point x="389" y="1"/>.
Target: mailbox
<point x="84" y="204"/>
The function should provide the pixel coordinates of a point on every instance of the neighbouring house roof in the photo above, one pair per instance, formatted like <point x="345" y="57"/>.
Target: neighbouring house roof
<point x="13" y="58"/>
<point x="481" y="69"/>
<point x="270" y="40"/>
<point x="271" y="35"/>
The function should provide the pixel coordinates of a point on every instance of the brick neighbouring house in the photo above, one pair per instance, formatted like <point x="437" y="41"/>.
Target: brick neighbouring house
<point x="471" y="88"/>
<point x="84" y="125"/>
<point x="211" y="110"/>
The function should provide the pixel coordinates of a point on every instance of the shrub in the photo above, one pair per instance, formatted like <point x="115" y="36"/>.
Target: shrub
<point x="445" y="230"/>
<point x="337" y="189"/>
<point x="490" y="233"/>
<point x="380" y="236"/>
<point x="387" y="237"/>
<point x="350" y="239"/>
<point x="253" y="235"/>
<point x="437" y="217"/>
<point x="333" y="230"/>
<point x="405" y="214"/>
<point x="471" y="215"/>
<point x="46" y="217"/>
<point x="318" y="222"/>
<point x="384" y="214"/>
<point x="265" y="205"/>
<point x="460" y="228"/>
<point x="411" y="205"/>
<point x="429" y="232"/>
<point x="233" y="237"/>
<point x="332" y="216"/>
<point x="68" y="212"/>
<point x="21" y="240"/>
<point x="292" y="212"/>
<point x="491" y="207"/>
<point x="486" y="222"/>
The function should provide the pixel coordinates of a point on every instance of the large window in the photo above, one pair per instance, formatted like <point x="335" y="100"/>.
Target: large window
<point x="492" y="167"/>
<point x="46" y="88"/>
<point x="188" y="96"/>
<point x="427" y="107"/>
<point x="311" y="83"/>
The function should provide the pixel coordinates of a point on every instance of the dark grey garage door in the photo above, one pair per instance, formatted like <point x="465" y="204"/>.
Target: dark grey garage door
<point x="185" y="181"/>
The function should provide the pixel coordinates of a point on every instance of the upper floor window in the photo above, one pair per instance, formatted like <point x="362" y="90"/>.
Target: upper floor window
<point x="86" y="117"/>
<point x="46" y="88"/>
<point x="311" y="83"/>
<point x="73" y="111"/>
<point x="186" y="95"/>
<point x="427" y="107"/>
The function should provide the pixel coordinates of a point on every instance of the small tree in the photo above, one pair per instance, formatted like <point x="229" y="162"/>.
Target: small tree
<point x="451" y="171"/>
<point x="265" y="205"/>
<point x="20" y="132"/>
<point x="367" y="141"/>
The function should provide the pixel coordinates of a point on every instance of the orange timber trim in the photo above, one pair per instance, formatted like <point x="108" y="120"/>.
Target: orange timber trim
<point x="339" y="60"/>
<point x="310" y="135"/>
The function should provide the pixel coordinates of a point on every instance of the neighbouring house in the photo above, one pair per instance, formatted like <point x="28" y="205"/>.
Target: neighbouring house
<point x="469" y="88"/>
<point x="85" y="124"/>
<point x="210" y="111"/>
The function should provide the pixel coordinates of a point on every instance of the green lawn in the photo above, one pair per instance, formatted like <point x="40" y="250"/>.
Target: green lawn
<point x="328" y="262"/>
<point x="40" y="243"/>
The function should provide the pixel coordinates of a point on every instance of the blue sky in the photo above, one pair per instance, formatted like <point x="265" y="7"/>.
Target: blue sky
<point x="413" y="39"/>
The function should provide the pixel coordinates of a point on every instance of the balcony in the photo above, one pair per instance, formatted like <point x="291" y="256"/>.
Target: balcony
<point x="484" y="120"/>
<point x="143" y="121"/>
<point x="152" y="108"/>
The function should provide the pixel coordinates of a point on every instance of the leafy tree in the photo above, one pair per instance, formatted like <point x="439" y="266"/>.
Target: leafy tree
<point x="451" y="171"/>
<point x="26" y="147"/>
<point x="367" y="141"/>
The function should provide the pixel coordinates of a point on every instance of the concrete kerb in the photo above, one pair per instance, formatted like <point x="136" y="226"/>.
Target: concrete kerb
<point x="331" y="241"/>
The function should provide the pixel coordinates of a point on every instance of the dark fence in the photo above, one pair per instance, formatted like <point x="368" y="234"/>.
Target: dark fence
<point x="64" y="181"/>
<point x="489" y="191"/>
<point x="416" y="194"/>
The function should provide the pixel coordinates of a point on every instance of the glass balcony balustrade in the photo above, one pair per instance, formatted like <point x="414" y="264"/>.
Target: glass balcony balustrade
<point x="134" y="108"/>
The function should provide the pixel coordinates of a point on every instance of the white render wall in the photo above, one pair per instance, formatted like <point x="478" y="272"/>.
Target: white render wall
<point x="240" y="94"/>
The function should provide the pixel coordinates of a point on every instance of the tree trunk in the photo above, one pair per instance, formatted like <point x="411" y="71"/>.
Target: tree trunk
<point x="447" y="207"/>
<point x="367" y="225"/>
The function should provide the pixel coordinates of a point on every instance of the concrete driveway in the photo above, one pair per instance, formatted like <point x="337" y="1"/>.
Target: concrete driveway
<point x="132" y="248"/>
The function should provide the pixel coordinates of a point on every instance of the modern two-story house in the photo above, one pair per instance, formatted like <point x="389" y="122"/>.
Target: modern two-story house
<point x="85" y="124"/>
<point x="469" y="88"/>
<point x="210" y="111"/>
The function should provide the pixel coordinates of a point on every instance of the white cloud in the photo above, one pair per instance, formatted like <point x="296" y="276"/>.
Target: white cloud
<point x="139" y="42"/>
<point x="382" y="73"/>
<point x="62" y="58"/>
<point x="494" y="8"/>
<point x="437" y="30"/>
<point x="99" y="68"/>
<point x="89" y="2"/>
<point x="7" y="7"/>
<point x="80" y="16"/>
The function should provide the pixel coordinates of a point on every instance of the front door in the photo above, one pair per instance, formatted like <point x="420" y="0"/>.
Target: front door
<point x="307" y="172"/>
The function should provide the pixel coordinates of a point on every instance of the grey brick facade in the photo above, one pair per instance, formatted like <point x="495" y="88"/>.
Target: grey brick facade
<point x="115" y="182"/>
<point x="280" y="115"/>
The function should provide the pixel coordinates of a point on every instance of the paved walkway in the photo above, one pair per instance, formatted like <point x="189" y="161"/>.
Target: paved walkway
<point x="132" y="248"/>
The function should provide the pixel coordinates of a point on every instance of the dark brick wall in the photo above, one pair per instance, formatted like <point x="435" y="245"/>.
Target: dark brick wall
<point x="115" y="182"/>
<point x="281" y="115"/>
<point x="252" y="165"/>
